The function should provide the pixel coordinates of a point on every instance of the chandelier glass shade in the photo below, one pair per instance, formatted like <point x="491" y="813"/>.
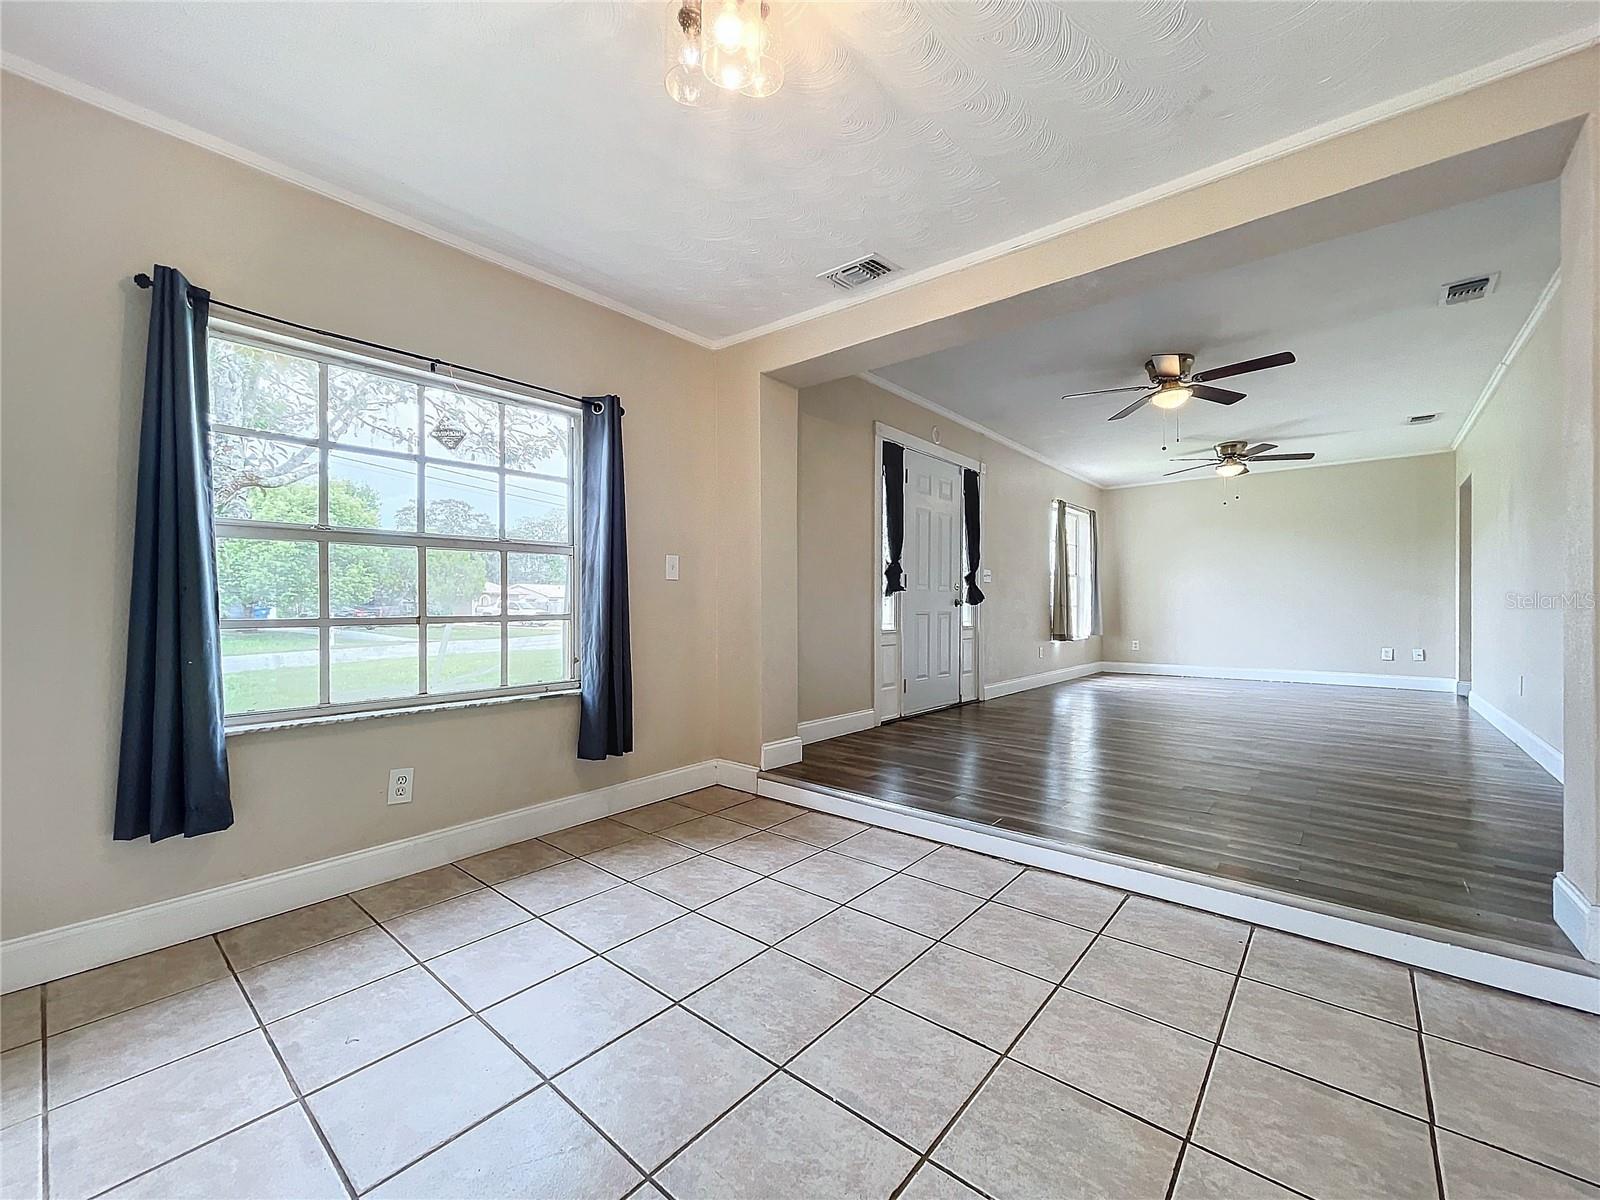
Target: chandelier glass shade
<point x="718" y="46"/>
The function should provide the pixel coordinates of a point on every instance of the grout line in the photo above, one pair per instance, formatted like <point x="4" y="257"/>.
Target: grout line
<point x="1427" y="1089"/>
<point x="210" y="1141"/>
<point x="44" y="1093"/>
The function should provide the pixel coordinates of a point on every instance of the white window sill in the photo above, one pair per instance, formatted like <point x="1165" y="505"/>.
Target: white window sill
<point x="270" y="726"/>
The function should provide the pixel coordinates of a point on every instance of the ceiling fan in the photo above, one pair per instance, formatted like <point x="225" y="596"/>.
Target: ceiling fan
<point x="1233" y="458"/>
<point x="1174" y="385"/>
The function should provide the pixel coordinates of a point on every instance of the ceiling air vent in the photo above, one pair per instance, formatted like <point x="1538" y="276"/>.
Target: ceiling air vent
<point x="857" y="273"/>
<point x="1422" y="419"/>
<point x="1463" y="290"/>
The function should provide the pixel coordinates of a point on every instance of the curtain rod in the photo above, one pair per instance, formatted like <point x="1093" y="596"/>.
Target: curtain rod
<point x="433" y="362"/>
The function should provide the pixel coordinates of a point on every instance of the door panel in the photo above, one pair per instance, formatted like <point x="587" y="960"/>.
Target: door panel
<point x="930" y="653"/>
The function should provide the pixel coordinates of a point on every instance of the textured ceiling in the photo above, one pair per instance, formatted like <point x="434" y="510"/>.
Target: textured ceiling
<point x="921" y="131"/>
<point x="1361" y="314"/>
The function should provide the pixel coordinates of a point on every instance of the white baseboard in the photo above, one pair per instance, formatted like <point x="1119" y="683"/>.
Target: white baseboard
<point x="1529" y="742"/>
<point x="737" y="775"/>
<point x="1463" y="687"/>
<point x="1578" y="918"/>
<point x="1409" y="683"/>
<point x="55" y="953"/>
<point x="1569" y="988"/>
<point x="824" y="728"/>
<point x="1023" y="683"/>
<point x="780" y="754"/>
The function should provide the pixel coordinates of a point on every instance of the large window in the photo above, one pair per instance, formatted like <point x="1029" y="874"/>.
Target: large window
<point x="1072" y="567"/>
<point x="385" y="537"/>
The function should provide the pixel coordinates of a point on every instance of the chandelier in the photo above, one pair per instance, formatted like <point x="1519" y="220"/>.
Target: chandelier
<point x="716" y="46"/>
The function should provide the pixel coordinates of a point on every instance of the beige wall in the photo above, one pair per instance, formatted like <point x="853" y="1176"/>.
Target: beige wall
<point x="90" y="199"/>
<point x="839" y="573"/>
<point x="1310" y="569"/>
<point x="1512" y="455"/>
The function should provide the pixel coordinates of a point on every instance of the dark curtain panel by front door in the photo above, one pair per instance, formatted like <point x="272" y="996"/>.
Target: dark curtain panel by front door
<point x="173" y="774"/>
<point x="969" y="498"/>
<point x="605" y="725"/>
<point x="894" y="515"/>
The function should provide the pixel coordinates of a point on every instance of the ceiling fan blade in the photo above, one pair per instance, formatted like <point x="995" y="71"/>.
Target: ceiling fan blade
<point x="1216" y="395"/>
<point x="1282" y="457"/>
<point x="1186" y="470"/>
<point x="1137" y="387"/>
<point x="1210" y="458"/>
<point x="1132" y="408"/>
<point x="1282" y="359"/>
<point x="1259" y="448"/>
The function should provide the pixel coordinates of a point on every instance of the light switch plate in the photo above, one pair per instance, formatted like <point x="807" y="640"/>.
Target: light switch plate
<point x="988" y="575"/>
<point x="1419" y="656"/>
<point x="1387" y="654"/>
<point x="672" y="566"/>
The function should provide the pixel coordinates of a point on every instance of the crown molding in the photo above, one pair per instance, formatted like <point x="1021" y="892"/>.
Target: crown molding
<point x="1510" y="356"/>
<point x="117" y="106"/>
<point x="907" y="394"/>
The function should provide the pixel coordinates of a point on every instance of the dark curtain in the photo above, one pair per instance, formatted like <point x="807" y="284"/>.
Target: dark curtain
<point x="605" y="725"/>
<point x="969" y="497"/>
<point x="894" y="515"/>
<point x="173" y="774"/>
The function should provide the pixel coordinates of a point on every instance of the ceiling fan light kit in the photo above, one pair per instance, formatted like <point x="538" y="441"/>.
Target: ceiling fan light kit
<point x="1232" y="459"/>
<point x="1175" y="382"/>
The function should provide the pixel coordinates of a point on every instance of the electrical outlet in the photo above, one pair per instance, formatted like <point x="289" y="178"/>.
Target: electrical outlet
<point x="1135" y="643"/>
<point x="672" y="566"/>
<point x="1419" y="656"/>
<point x="400" y="785"/>
<point x="1387" y="654"/>
<point x="1041" y="651"/>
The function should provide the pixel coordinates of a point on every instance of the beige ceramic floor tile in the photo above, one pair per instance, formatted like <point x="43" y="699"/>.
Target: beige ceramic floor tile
<point x="1473" y="1171"/>
<point x="900" y="1072"/>
<point x="764" y="852"/>
<point x="785" y="1140"/>
<point x="296" y="981"/>
<point x="1529" y="1111"/>
<point x="928" y="908"/>
<point x="555" y="887"/>
<point x="819" y="829"/>
<point x="975" y="996"/>
<point x="775" y="1004"/>
<point x="502" y="964"/>
<point x="1356" y="981"/>
<point x="1075" y="901"/>
<point x="21" y="1084"/>
<point x="1356" y="1053"/>
<point x="1023" y="1134"/>
<point x="411" y="892"/>
<point x="886" y="848"/>
<point x="113" y="1135"/>
<point x="562" y="1019"/>
<point x="592" y="836"/>
<point x="1310" y="1137"/>
<point x="975" y="873"/>
<point x="833" y="876"/>
<point x="1033" y="944"/>
<point x="685" y="954"/>
<point x="433" y="931"/>
<point x="707" y="832"/>
<point x="115" y="1048"/>
<point x="762" y="813"/>
<point x="698" y="881"/>
<point x="857" y="948"/>
<point x="19" y="1018"/>
<point x="712" y="799"/>
<point x="1140" y="1065"/>
<point x="395" y="1111"/>
<point x="22" y="1160"/>
<point x="278" y="1155"/>
<point x="656" y="1088"/>
<point x="79" y="999"/>
<point x="611" y="918"/>
<point x="653" y="818"/>
<point x="1204" y="1176"/>
<point x="932" y="1183"/>
<point x="262" y="941"/>
<point x="538" y="1147"/>
<point x="1204" y="938"/>
<point x="507" y="862"/>
<point x="1172" y="990"/>
<point x="1545" y="1035"/>
<point x="641" y="856"/>
<point x="768" y="911"/>
<point x="341" y="1035"/>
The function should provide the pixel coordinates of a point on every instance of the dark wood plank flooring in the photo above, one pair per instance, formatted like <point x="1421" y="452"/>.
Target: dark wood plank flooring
<point x="1405" y="804"/>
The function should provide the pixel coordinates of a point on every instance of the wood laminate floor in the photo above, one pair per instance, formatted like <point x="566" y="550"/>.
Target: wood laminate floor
<point x="1405" y="804"/>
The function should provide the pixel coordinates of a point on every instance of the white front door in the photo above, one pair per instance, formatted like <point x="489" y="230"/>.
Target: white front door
<point x="930" y="609"/>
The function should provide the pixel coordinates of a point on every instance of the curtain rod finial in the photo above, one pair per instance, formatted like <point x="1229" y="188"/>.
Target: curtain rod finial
<point x="143" y="280"/>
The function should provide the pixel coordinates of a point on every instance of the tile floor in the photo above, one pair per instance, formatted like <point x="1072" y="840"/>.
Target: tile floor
<point x="721" y="996"/>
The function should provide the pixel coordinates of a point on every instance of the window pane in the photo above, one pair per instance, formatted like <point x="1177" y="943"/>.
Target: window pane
<point x="477" y="421"/>
<point x="463" y="583"/>
<point x="463" y="502"/>
<point x="537" y="440"/>
<point x="372" y="662"/>
<point x="372" y="581"/>
<point x="369" y="492"/>
<point x="538" y="652"/>
<point x="262" y="389"/>
<point x="463" y="657"/>
<point x="371" y="410"/>
<point x="536" y="510"/>
<point x="258" y="479"/>
<point x="264" y="580"/>
<point x="540" y="583"/>
<point x="267" y="669"/>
